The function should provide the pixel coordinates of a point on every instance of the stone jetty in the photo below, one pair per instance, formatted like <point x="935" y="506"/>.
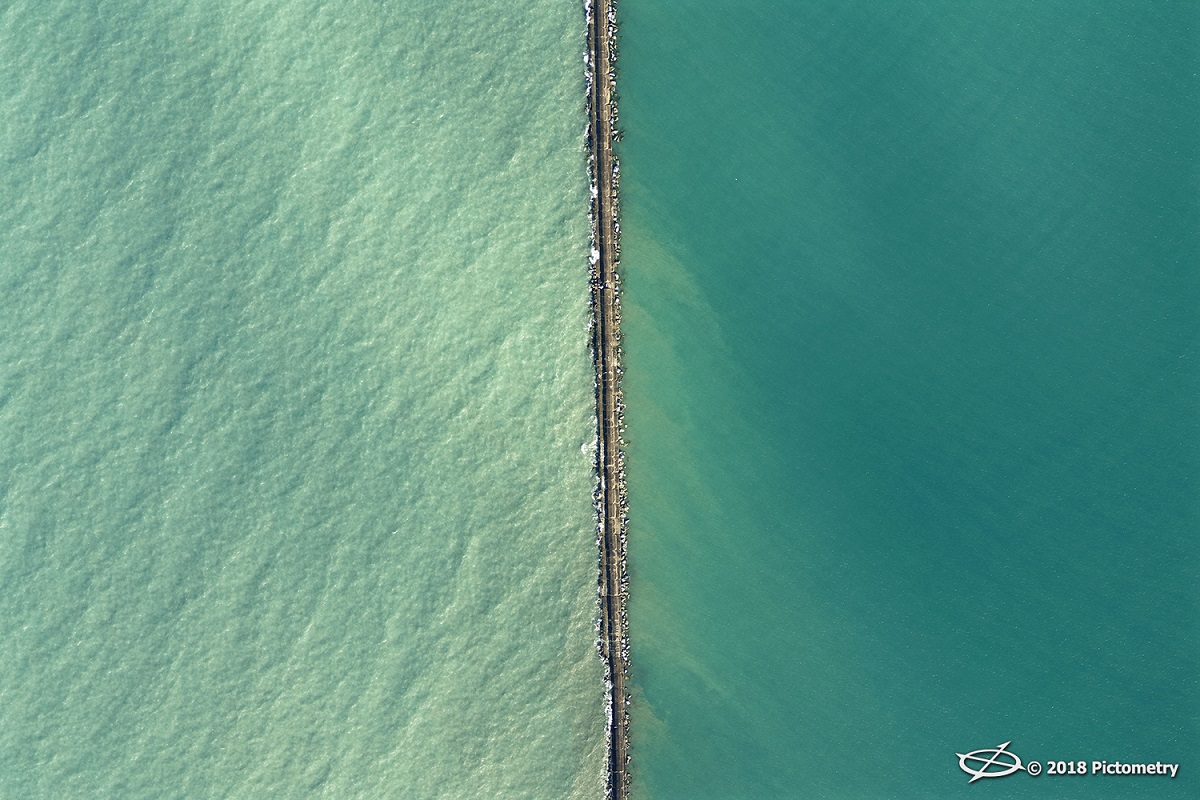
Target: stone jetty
<point x="606" y="344"/>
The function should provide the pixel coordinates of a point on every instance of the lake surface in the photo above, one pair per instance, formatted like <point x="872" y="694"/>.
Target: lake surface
<point x="296" y="406"/>
<point x="911" y="324"/>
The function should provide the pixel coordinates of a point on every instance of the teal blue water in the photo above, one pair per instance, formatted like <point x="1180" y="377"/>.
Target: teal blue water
<point x="296" y="404"/>
<point x="911" y="317"/>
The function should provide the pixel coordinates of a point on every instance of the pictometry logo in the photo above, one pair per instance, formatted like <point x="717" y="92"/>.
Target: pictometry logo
<point x="999" y="761"/>
<point x="990" y="762"/>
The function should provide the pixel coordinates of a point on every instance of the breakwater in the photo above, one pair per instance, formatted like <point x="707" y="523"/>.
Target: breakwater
<point x="606" y="348"/>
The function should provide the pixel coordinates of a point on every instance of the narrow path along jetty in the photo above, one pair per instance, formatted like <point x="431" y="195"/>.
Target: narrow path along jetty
<point x="606" y="348"/>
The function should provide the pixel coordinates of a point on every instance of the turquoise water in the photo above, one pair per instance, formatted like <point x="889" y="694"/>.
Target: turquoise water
<point x="911" y="317"/>
<point x="295" y="402"/>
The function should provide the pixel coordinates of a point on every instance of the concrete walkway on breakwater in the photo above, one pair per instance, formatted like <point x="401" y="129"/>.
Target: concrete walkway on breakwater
<point x="606" y="334"/>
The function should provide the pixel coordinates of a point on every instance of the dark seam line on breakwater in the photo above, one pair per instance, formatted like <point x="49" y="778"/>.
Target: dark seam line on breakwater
<point x="606" y="352"/>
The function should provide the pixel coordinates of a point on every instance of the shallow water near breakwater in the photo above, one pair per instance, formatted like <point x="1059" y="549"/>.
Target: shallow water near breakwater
<point x="911" y="330"/>
<point x="295" y="402"/>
